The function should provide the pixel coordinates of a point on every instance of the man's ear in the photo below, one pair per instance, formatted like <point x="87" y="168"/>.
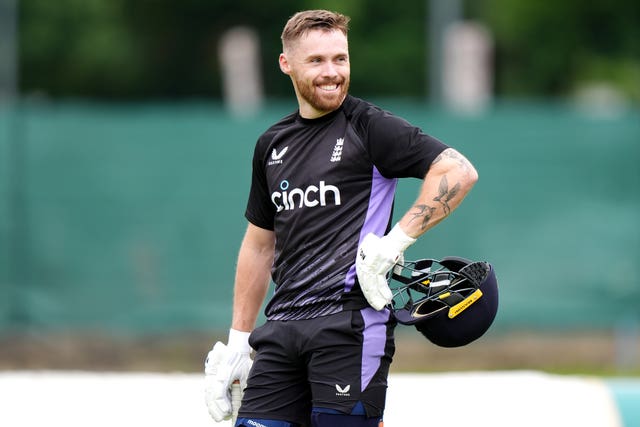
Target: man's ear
<point x="284" y="64"/>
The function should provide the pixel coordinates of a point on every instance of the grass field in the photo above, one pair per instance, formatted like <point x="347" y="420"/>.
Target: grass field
<point x="565" y="353"/>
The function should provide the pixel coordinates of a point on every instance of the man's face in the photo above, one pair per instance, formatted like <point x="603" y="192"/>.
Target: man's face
<point x="318" y="64"/>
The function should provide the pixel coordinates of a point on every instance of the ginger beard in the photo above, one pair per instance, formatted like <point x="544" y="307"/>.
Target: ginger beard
<point x="318" y="65"/>
<point x="323" y="95"/>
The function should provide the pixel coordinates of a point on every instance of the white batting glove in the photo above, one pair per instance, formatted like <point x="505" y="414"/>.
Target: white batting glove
<point x="376" y="256"/>
<point x="224" y="365"/>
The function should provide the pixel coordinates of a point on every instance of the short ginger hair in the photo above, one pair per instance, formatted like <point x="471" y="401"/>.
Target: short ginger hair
<point x="307" y="20"/>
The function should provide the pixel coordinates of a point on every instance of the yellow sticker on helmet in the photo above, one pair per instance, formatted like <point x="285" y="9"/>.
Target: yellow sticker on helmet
<point x="464" y="304"/>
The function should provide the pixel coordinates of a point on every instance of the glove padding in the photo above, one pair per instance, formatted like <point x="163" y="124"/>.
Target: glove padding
<point x="222" y="367"/>
<point x="376" y="256"/>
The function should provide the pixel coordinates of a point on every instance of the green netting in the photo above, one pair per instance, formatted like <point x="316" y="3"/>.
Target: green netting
<point x="129" y="218"/>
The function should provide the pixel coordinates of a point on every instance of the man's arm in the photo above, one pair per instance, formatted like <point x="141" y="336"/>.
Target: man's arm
<point x="253" y="275"/>
<point x="229" y="364"/>
<point x="446" y="184"/>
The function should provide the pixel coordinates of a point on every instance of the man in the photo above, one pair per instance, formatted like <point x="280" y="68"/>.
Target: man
<point x="319" y="215"/>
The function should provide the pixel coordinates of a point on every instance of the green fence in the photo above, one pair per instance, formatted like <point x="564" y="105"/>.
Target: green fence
<point x="128" y="218"/>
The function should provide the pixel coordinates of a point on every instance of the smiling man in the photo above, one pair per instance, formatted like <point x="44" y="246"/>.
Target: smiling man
<point x="320" y="227"/>
<point x="318" y="64"/>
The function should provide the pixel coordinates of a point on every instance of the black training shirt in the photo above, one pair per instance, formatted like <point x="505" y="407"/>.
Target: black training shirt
<point x="322" y="185"/>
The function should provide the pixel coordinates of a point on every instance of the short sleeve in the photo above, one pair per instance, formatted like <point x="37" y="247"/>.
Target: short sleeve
<point x="260" y="211"/>
<point x="399" y="149"/>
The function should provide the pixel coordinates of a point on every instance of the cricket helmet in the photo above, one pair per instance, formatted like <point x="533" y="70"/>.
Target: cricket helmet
<point x="452" y="302"/>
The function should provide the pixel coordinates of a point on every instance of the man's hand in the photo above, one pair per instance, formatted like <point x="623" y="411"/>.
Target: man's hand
<point x="224" y="365"/>
<point x="376" y="256"/>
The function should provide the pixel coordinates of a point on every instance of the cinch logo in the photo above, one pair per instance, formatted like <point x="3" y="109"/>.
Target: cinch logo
<point x="340" y="391"/>
<point x="312" y="196"/>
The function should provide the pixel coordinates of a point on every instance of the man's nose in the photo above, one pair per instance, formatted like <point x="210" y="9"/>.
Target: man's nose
<point x="329" y="69"/>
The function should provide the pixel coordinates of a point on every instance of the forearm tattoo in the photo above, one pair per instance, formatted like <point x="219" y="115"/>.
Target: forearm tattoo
<point x="445" y="195"/>
<point x="422" y="213"/>
<point x="425" y="213"/>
